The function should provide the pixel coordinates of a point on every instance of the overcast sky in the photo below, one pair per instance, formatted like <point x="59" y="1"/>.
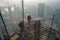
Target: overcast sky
<point x="4" y="2"/>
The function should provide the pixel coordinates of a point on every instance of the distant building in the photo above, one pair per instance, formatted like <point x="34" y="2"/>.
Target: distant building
<point x="41" y="7"/>
<point x="57" y="19"/>
<point x="47" y="13"/>
<point x="9" y="15"/>
<point x="57" y="16"/>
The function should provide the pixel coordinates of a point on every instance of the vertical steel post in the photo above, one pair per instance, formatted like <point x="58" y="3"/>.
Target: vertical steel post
<point x="51" y="27"/>
<point x="23" y="8"/>
<point x="23" y="20"/>
<point x="4" y="24"/>
<point x="52" y="20"/>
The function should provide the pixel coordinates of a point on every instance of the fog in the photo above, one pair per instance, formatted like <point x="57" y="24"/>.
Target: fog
<point x="12" y="11"/>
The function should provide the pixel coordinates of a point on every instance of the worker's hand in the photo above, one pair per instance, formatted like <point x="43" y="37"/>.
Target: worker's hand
<point x="21" y="23"/>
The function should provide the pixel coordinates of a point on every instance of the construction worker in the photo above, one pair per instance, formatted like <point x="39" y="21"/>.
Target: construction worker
<point x="28" y="18"/>
<point x="21" y="25"/>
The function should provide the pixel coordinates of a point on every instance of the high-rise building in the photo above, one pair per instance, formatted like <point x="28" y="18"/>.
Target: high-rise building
<point x="57" y="16"/>
<point x="47" y="13"/>
<point x="57" y="19"/>
<point x="41" y="7"/>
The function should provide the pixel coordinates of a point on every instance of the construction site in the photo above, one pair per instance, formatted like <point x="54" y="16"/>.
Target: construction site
<point x="20" y="20"/>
